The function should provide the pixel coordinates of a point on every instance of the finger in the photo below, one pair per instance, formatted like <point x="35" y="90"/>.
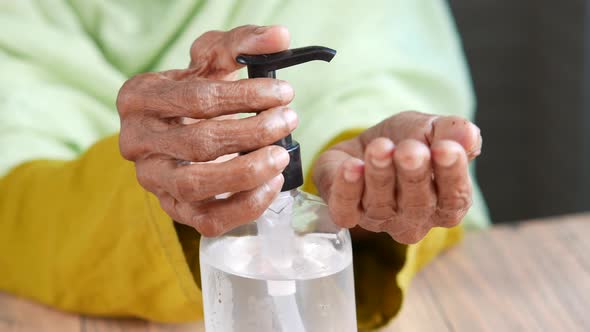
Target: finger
<point x="216" y="217"/>
<point x="207" y="140"/>
<point x="379" y="194"/>
<point x="162" y="97"/>
<point x="403" y="126"/>
<point x="196" y="182"/>
<point x="459" y="130"/>
<point x="346" y="192"/>
<point x="452" y="182"/>
<point x="416" y="197"/>
<point x="214" y="53"/>
<point x="427" y="128"/>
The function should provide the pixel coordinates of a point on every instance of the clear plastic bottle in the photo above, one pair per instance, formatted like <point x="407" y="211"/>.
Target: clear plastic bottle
<point x="290" y="271"/>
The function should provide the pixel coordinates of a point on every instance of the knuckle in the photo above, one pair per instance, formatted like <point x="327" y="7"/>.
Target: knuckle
<point x="241" y="94"/>
<point x="253" y="213"/>
<point x="246" y="92"/>
<point x="144" y="177"/>
<point x="186" y="95"/>
<point x="126" y="147"/>
<point x="206" y="221"/>
<point x="169" y="207"/>
<point x="380" y="180"/>
<point x="204" y="146"/>
<point x="205" y="39"/>
<point x="450" y="220"/>
<point x="253" y="170"/>
<point x="407" y="233"/>
<point x="457" y="200"/>
<point x="131" y="146"/>
<point x="257" y="203"/>
<point x="125" y="101"/>
<point x="342" y="217"/>
<point x="373" y="223"/>
<point x="343" y="197"/>
<point x="126" y="98"/>
<point x="417" y="214"/>
<point x="130" y="96"/>
<point x="416" y="180"/>
<point x="213" y="35"/>
<point x="240" y="32"/>
<point x="260" y="94"/>
<point x="180" y="188"/>
<point x="276" y="94"/>
<point x="450" y="217"/>
<point x="422" y="122"/>
<point x="208" y="228"/>
<point x="378" y="209"/>
<point x="261" y="200"/>
<point x="208" y="95"/>
<point x="423" y="125"/>
<point x="452" y="208"/>
<point x="267" y="131"/>
<point x="187" y="187"/>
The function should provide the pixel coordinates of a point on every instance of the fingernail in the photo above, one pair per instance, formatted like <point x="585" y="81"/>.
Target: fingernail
<point x="447" y="158"/>
<point x="381" y="163"/>
<point x="276" y="182"/>
<point x="412" y="161"/>
<point x="385" y="160"/>
<point x="280" y="157"/>
<point x="352" y="173"/>
<point x="285" y="91"/>
<point x="291" y="118"/>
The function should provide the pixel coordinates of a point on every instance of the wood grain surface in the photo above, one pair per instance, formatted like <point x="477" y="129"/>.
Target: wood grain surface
<point x="534" y="276"/>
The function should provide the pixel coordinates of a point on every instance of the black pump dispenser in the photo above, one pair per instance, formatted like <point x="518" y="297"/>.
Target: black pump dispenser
<point x="265" y="65"/>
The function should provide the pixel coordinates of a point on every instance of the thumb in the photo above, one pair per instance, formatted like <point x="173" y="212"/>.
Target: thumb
<point x="213" y="54"/>
<point x="339" y="178"/>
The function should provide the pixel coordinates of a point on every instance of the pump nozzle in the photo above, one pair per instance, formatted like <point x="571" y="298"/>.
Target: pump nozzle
<point x="265" y="65"/>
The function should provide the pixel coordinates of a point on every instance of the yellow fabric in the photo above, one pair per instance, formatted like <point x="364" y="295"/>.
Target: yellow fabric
<point x="107" y="249"/>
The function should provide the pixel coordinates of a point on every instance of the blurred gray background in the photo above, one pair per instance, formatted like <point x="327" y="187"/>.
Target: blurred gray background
<point x="529" y="63"/>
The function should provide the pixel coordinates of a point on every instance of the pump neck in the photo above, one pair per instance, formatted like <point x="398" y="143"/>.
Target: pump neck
<point x="266" y="65"/>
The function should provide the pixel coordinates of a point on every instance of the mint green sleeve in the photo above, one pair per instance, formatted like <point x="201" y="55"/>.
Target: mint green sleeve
<point x="56" y="90"/>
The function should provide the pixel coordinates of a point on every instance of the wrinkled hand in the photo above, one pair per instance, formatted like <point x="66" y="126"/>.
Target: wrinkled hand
<point x="404" y="176"/>
<point x="174" y="116"/>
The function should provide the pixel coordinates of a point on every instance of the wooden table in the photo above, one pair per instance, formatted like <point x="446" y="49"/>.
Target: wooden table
<point x="534" y="276"/>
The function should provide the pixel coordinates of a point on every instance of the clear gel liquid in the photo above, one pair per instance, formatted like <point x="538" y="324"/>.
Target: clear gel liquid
<point x="237" y="297"/>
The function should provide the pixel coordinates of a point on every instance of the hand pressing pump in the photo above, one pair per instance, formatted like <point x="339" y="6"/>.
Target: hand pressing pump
<point x="291" y="270"/>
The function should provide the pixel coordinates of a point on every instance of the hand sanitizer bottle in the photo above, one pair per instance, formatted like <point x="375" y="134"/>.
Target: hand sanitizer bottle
<point x="291" y="270"/>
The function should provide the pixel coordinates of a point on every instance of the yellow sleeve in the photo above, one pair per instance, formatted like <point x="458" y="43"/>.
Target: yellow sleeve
<point x="83" y="236"/>
<point x="384" y="268"/>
